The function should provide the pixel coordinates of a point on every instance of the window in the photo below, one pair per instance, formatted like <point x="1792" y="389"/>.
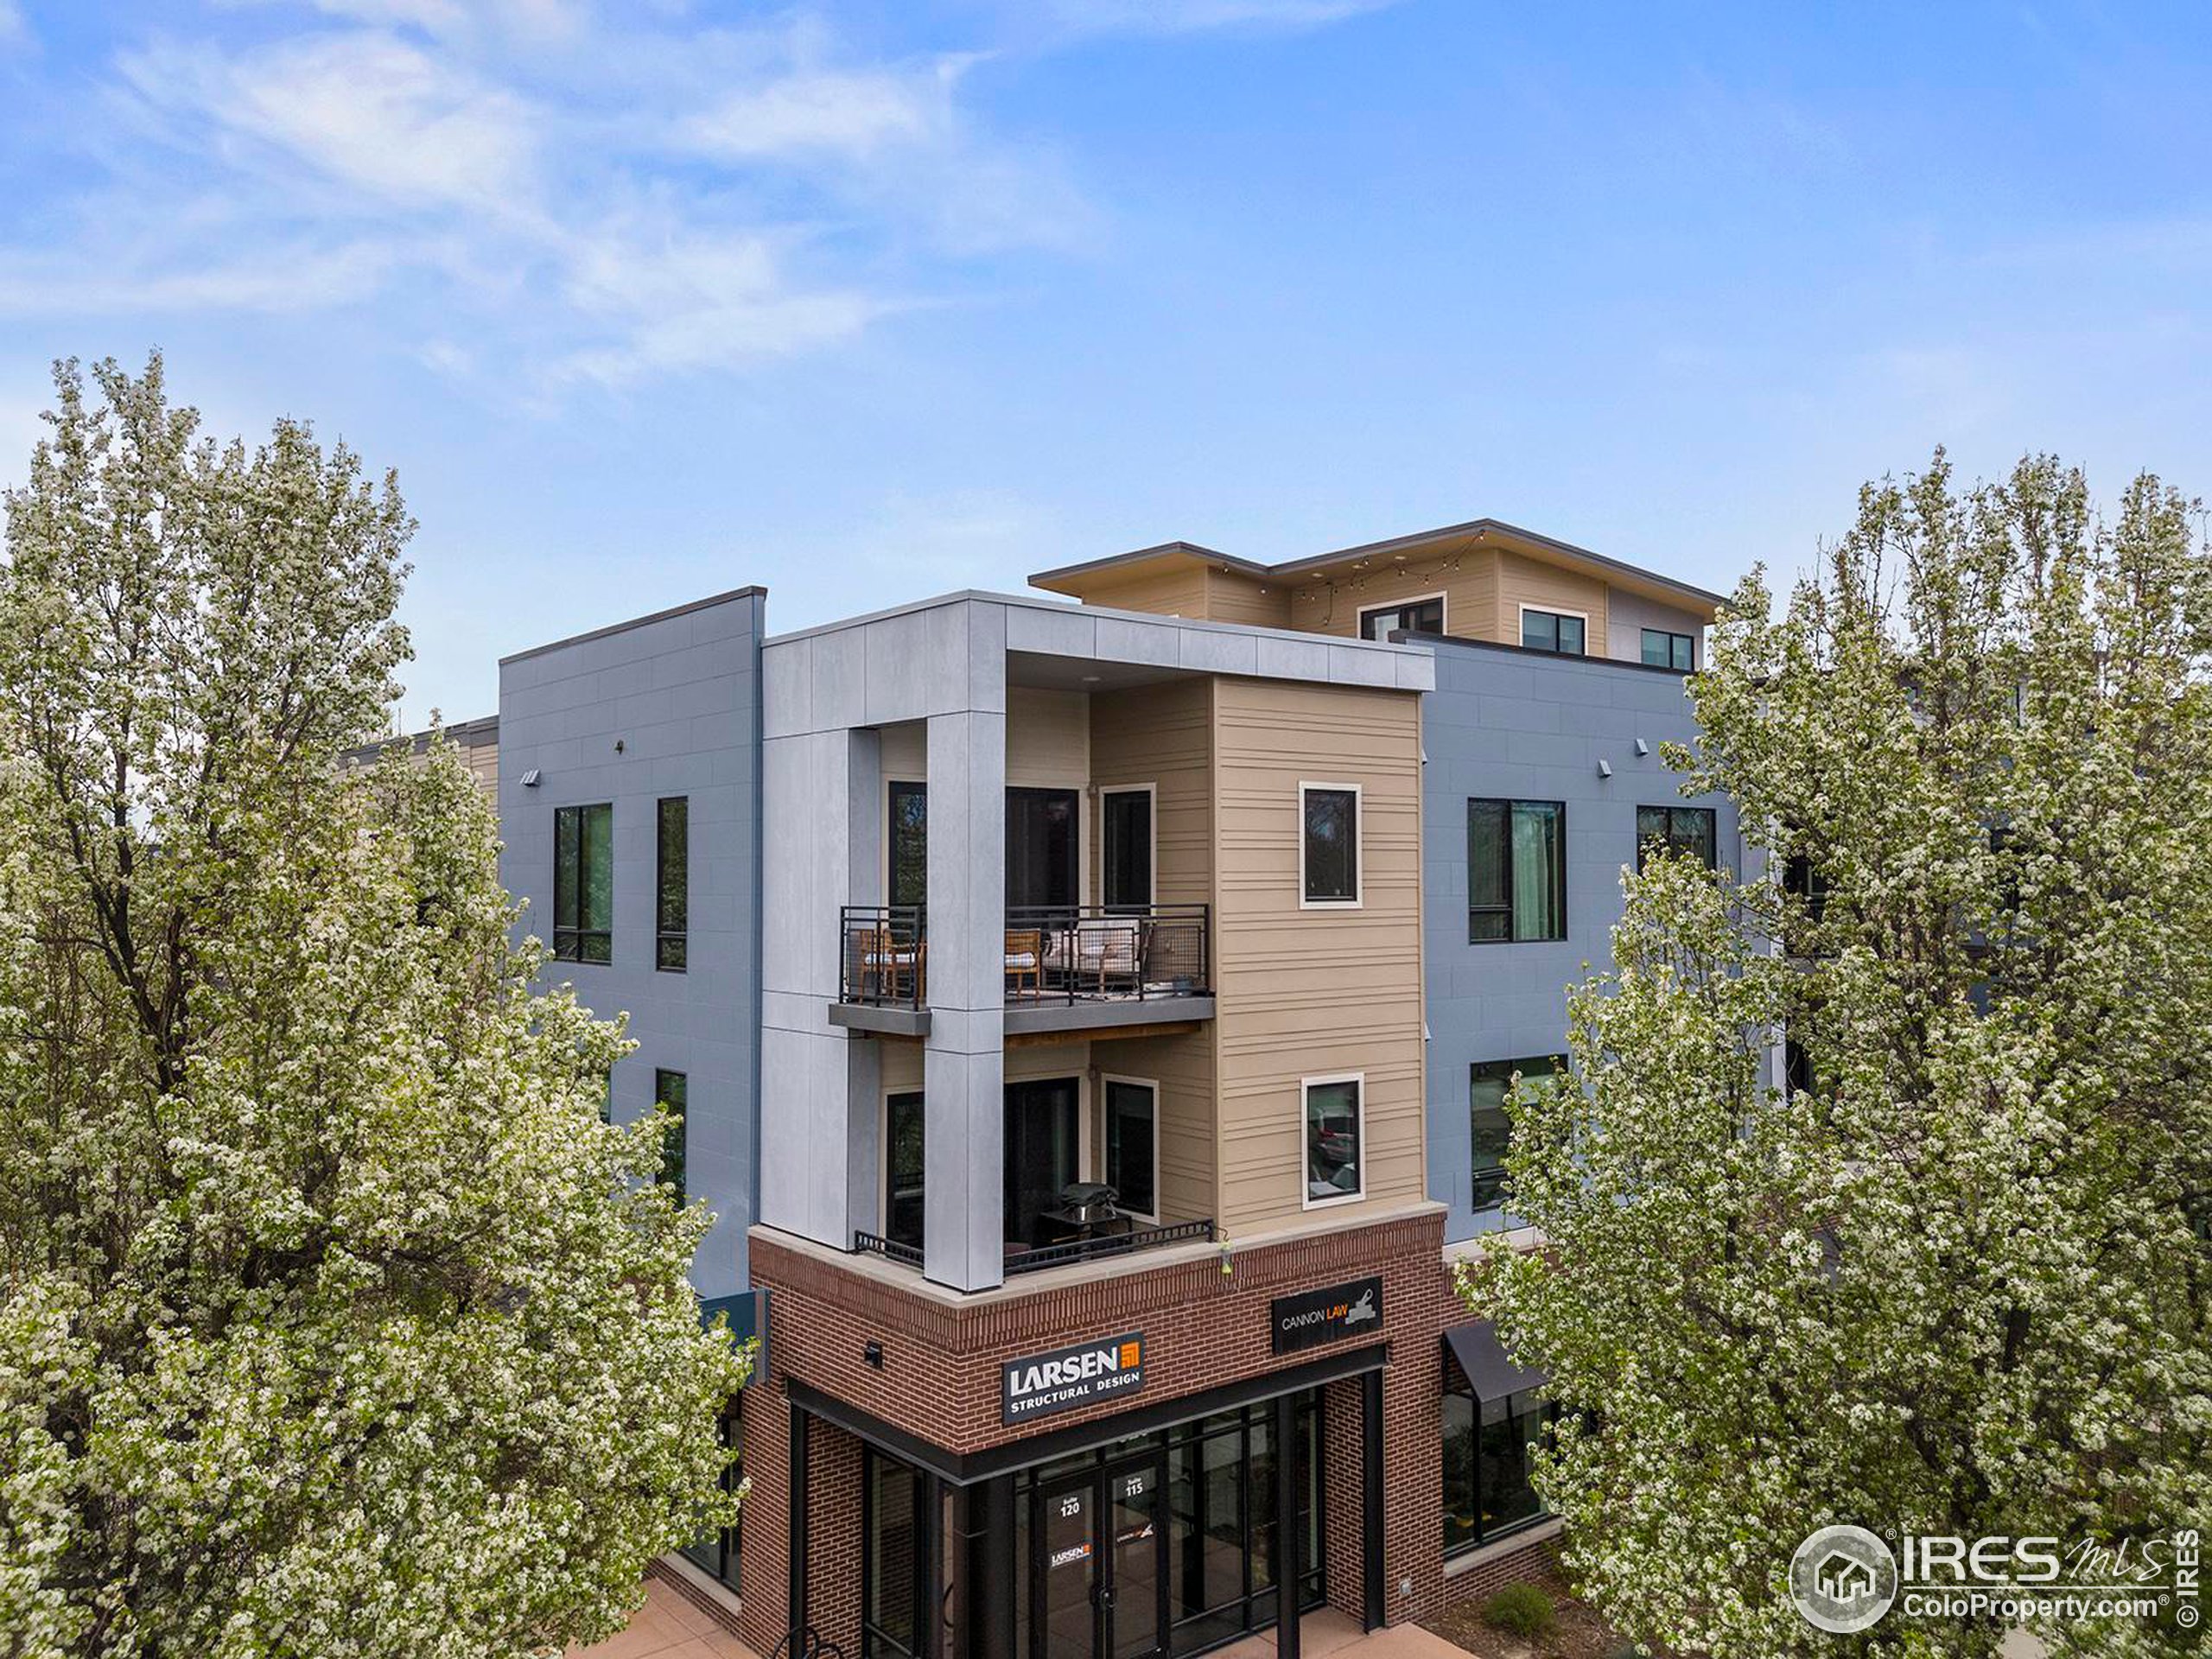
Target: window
<point x="1665" y="650"/>
<point x="1490" y="1083"/>
<point x="1125" y="862"/>
<point x="668" y="1095"/>
<point x="910" y="843"/>
<point x="895" y="1542"/>
<point x="902" y="1200"/>
<point x="1415" y="616"/>
<point x="1516" y="871"/>
<point x="1686" y="830"/>
<point x="1333" y="1133"/>
<point x="1559" y="631"/>
<point x="1487" y="1454"/>
<point x="1133" y="1144"/>
<point x="1802" y="879"/>
<point x="1328" y="846"/>
<point x="583" y="883"/>
<point x="672" y="887"/>
<point x="719" y="1551"/>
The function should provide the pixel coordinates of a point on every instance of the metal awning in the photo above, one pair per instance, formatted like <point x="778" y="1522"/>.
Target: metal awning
<point x="1491" y="1372"/>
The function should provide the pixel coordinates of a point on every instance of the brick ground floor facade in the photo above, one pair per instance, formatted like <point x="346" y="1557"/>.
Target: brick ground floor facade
<point x="1102" y="1460"/>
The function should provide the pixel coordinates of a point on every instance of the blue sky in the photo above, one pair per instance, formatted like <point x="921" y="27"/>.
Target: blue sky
<point x="867" y="301"/>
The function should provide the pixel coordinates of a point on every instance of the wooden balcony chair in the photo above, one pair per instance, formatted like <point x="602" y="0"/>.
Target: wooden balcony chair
<point x="1025" y="960"/>
<point x="891" y="968"/>
<point x="1107" y="954"/>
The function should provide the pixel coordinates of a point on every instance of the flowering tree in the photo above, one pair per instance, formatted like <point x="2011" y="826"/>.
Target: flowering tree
<point x="1945" y="1271"/>
<point x="333" y="1319"/>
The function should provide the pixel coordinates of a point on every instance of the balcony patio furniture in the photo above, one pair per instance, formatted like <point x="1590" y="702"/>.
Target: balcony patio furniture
<point x="1025" y="960"/>
<point x="891" y="969"/>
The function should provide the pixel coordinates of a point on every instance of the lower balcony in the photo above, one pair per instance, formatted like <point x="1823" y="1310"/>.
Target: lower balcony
<point x="1093" y="1244"/>
<point x="1065" y="968"/>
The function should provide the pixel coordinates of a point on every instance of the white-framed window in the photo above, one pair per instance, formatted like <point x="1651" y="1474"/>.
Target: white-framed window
<point x="1329" y="846"/>
<point x="1132" y="1113"/>
<point x="1128" y="846"/>
<point x="1334" y="1137"/>
<point x="1422" y="613"/>
<point x="1567" y="633"/>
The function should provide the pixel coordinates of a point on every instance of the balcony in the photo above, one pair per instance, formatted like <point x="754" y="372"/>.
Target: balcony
<point x="1067" y="968"/>
<point x="1103" y="1244"/>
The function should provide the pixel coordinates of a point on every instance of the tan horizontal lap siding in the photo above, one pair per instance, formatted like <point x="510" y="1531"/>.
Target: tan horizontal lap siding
<point x="1163" y="735"/>
<point x="1232" y="596"/>
<point x="1524" y="580"/>
<point x="1310" y="992"/>
<point x="1177" y="590"/>
<point x="1468" y="581"/>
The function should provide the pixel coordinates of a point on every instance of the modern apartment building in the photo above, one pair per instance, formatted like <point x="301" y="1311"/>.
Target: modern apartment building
<point x="1091" y="1022"/>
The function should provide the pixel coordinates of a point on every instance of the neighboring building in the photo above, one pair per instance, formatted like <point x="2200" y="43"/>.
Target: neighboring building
<point x="1238" y="889"/>
<point x="477" y="739"/>
<point x="630" y="810"/>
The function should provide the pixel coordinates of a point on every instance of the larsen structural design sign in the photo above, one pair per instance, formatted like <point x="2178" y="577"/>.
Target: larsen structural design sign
<point x="1313" y="1317"/>
<point x="1042" y="1385"/>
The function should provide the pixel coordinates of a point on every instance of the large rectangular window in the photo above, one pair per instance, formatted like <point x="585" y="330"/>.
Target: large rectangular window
<point x="1125" y="857"/>
<point x="1328" y="846"/>
<point x="1516" y="871"/>
<point x="1133" y="1144"/>
<point x="1413" y="616"/>
<point x="1491" y="1127"/>
<point x="894" y="1539"/>
<point x="583" y="883"/>
<point x="902" y="1200"/>
<point x="1335" y="1132"/>
<point x="1665" y="650"/>
<point x="1557" y="631"/>
<point x="1686" y="830"/>
<point x="910" y="843"/>
<point x="669" y="1091"/>
<point x="672" y="887"/>
<point x="1489" y="1447"/>
<point x="719" y="1551"/>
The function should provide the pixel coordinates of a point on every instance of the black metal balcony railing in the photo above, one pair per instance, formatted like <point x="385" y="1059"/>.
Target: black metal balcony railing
<point x="1086" y="953"/>
<point x="1092" y="1248"/>
<point x="883" y="955"/>
<point x="1052" y="953"/>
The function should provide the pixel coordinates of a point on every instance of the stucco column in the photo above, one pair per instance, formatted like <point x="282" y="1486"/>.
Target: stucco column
<point x="964" y="1128"/>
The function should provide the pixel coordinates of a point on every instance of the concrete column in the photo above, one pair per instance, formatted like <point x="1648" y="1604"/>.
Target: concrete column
<point x="964" y="1132"/>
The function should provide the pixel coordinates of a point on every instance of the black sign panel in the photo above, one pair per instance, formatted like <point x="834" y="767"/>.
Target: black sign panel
<point x="1313" y="1317"/>
<point x="1042" y="1385"/>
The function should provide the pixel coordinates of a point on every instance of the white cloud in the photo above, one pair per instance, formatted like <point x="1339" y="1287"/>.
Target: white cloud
<point x="293" y="277"/>
<point x="362" y="108"/>
<point x="1191" y="17"/>
<point x="852" y="113"/>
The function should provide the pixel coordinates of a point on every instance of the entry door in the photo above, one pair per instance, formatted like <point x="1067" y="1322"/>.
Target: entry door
<point x="1042" y="1152"/>
<point x="1135" y="1590"/>
<point x="1067" y="1566"/>
<point x="1040" y="849"/>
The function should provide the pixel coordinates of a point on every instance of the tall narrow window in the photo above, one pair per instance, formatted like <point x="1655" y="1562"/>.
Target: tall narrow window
<point x="1558" y="631"/>
<point x="1329" y="843"/>
<point x="669" y="1090"/>
<point x="1516" y="871"/>
<point x="1490" y="1126"/>
<point x="583" y="883"/>
<point x="1687" y="830"/>
<point x="1125" y="860"/>
<point x="1415" y="616"/>
<point x="1665" y="650"/>
<point x="902" y="1199"/>
<point x="1132" y="1145"/>
<point x="1334" y="1132"/>
<point x="672" y="887"/>
<point x="910" y="843"/>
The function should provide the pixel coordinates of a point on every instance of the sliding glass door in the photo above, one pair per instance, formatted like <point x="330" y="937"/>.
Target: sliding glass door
<point x="1043" y="1155"/>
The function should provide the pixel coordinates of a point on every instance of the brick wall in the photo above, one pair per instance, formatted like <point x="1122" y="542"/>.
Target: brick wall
<point x="940" y="1380"/>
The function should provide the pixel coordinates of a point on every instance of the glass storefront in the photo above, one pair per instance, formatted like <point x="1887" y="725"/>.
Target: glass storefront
<point x="1488" y="1445"/>
<point x="1160" y="1543"/>
<point x="1164" y="1542"/>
